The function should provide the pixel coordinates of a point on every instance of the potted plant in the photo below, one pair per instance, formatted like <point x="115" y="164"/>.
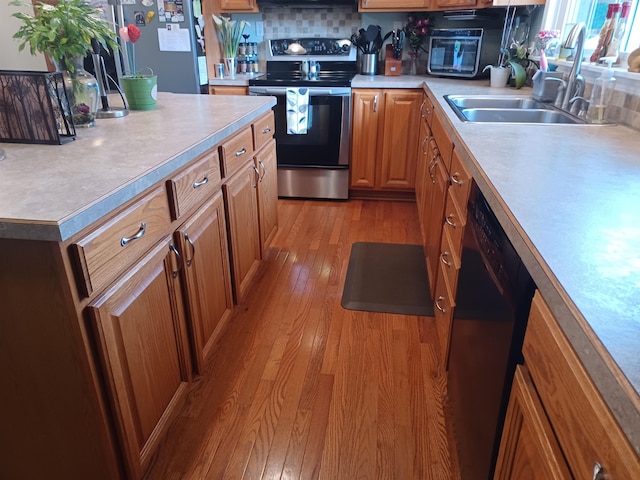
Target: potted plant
<point x="141" y="90"/>
<point x="417" y="30"/>
<point x="65" y="32"/>
<point x="229" y="32"/>
<point x="508" y="65"/>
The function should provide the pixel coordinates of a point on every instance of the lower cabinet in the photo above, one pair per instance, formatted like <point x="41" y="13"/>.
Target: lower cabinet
<point x="560" y="393"/>
<point x="202" y="241"/>
<point x="228" y="90"/>
<point x="267" y="164"/>
<point x="384" y="143"/>
<point x="241" y="199"/>
<point x="142" y="344"/>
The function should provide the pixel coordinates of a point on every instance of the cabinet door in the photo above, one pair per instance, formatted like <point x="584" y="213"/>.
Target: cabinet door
<point x="267" y="164"/>
<point x="241" y="200"/>
<point x="529" y="449"/>
<point x="399" y="144"/>
<point x="141" y="340"/>
<point x="391" y="5"/>
<point x="238" y="6"/>
<point x="367" y="104"/>
<point x="439" y="186"/>
<point x="203" y="245"/>
<point x="422" y="177"/>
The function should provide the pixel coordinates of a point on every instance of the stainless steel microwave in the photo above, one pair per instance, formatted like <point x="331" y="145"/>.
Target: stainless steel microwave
<point x="462" y="52"/>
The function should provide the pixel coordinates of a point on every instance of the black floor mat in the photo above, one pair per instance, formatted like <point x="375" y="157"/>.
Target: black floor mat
<point x="387" y="278"/>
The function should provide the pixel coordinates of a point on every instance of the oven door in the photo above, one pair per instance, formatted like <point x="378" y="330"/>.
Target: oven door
<point x="326" y="143"/>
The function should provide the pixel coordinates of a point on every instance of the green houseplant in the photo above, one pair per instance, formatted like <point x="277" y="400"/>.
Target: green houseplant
<point x="65" y="33"/>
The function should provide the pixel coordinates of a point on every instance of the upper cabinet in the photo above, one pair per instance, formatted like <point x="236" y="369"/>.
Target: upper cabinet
<point x="227" y="6"/>
<point x="432" y="5"/>
<point x="393" y="5"/>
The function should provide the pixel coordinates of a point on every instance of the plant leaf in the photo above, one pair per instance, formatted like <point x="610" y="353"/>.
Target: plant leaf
<point x="518" y="73"/>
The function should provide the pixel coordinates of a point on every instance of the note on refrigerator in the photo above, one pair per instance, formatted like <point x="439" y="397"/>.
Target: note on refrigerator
<point x="174" y="39"/>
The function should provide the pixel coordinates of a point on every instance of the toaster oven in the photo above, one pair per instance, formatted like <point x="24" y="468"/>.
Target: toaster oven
<point x="462" y="52"/>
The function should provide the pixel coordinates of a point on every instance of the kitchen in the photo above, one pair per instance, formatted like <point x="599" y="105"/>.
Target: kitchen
<point x="329" y="228"/>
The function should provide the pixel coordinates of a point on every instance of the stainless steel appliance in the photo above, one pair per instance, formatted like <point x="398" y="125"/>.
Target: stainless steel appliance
<point x="492" y="306"/>
<point x="462" y="52"/>
<point x="314" y="164"/>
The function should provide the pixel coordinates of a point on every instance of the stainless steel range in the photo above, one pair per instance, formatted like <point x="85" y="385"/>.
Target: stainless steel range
<point x="311" y="78"/>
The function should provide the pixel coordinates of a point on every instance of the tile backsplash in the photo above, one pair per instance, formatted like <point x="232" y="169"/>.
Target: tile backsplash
<point x="304" y="22"/>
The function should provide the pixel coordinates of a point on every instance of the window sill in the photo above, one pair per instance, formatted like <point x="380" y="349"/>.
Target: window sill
<point x="628" y="82"/>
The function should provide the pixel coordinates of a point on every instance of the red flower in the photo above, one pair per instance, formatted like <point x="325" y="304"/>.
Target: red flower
<point x="134" y="32"/>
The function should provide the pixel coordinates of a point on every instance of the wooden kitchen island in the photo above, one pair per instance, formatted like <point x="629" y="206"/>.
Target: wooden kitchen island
<point x="117" y="274"/>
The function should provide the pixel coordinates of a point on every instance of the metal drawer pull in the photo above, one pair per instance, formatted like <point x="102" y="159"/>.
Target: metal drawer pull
<point x="264" y="169"/>
<point x="204" y="181"/>
<point x="241" y="152"/>
<point x="125" y="240"/>
<point x="375" y="103"/>
<point x="173" y="248"/>
<point x="449" y="219"/>
<point x="454" y="179"/>
<point x="443" y="258"/>
<point x="255" y="169"/>
<point x="438" y="304"/>
<point x="193" y="249"/>
<point x="598" y="471"/>
<point x="427" y="111"/>
<point x="425" y="150"/>
<point x="266" y="130"/>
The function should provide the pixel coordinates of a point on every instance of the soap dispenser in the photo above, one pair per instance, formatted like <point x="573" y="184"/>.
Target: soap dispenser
<point x="601" y="93"/>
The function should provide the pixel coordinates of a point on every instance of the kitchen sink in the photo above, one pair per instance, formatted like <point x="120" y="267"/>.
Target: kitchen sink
<point x="514" y="115"/>
<point x="508" y="109"/>
<point x="488" y="101"/>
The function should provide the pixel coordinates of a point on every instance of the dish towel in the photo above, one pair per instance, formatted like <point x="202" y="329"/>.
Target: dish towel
<point x="297" y="110"/>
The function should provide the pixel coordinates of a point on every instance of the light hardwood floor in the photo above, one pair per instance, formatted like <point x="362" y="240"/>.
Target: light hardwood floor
<point x="300" y="388"/>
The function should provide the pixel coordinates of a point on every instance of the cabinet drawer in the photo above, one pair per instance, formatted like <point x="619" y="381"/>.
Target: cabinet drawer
<point x="193" y="185"/>
<point x="585" y="427"/>
<point x="460" y="181"/>
<point x="263" y="130"/>
<point x="113" y="246"/>
<point x="454" y="222"/>
<point x="449" y="260"/>
<point x="236" y="151"/>
<point x="445" y="145"/>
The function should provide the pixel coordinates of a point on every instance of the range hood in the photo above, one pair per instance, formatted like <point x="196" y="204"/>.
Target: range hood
<point x="307" y="3"/>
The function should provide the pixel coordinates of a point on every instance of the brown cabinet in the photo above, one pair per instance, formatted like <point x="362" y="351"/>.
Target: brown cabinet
<point x="228" y="90"/>
<point x="267" y="165"/>
<point x="230" y="6"/>
<point x="202" y="241"/>
<point x="393" y="6"/>
<point x="142" y="345"/>
<point x="384" y="141"/>
<point x="241" y="200"/>
<point x="584" y="427"/>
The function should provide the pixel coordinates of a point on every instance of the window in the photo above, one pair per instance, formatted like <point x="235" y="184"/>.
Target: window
<point x="562" y="14"/>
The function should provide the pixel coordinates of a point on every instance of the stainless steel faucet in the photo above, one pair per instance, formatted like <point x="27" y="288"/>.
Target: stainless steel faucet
<point x="575" y="82"/>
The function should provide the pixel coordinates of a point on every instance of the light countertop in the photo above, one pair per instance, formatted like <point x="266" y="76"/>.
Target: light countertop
<point x="569" y="199"/>
<point x="51" y="192"/>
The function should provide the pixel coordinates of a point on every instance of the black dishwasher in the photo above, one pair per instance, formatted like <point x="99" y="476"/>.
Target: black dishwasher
<point x="493" y="299"/>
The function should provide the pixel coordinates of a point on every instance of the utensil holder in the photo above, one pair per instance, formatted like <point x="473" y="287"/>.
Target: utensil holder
<point x="546" y="86"/>
<point x="369" y="64"/>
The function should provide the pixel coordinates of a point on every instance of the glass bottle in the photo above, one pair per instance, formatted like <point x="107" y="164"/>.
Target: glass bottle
<point x="604" y="33"/>
<point x="618" y="34"/>
<point x="83" y="92"/>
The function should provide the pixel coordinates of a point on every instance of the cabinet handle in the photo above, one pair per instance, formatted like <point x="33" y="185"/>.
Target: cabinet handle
<point x="193" y="249"/>
<point x="204" y="181"/>
<point x="449" y="219"/>
<point x="443" y="259"/>
<point x="264" y="169"/>
<point x="255" y="169"/>
<point x="598" y="471"/>
<point x="173" y="248"/>
<point x="241" y="152"/>
<point x="454" y="179"/>
<point x="266" y="130"/>
<point x="438" y="304"/>
<point x="424" y="100"/>
<point x="427" y="111"/>
<point x="139" y="234"/>
<point x="424" y="143"/>
<point x="375" y="103"/>
<point x="434" y="162"/>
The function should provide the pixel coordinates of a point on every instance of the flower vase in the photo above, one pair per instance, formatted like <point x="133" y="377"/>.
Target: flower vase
<point x="414" y="57"/>
<point x="83" y="92"/>
<point x="230" y="66"/>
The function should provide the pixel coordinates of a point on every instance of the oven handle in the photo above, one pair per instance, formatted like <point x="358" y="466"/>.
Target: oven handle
<point x="313" y="91"/>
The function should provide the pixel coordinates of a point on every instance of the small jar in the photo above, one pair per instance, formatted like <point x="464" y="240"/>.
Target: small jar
<point x="242" y="66"/>
<point x="252" y="49"/>
<point x="242" y="49"/>
<point x="253" y="66"/>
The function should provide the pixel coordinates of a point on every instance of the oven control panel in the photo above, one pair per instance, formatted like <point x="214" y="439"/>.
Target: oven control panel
<point x="321" y="47"/>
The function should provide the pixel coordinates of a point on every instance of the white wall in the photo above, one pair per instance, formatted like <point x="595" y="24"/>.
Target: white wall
<point x="10" y="58"/>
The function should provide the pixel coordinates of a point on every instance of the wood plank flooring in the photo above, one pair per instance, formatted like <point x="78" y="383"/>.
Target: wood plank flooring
<point x="300" y="388"/>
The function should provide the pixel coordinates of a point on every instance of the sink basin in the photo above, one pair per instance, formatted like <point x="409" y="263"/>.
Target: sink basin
<point x="489" y="101"/>
<point x="514" y="115"/>
<point x="508" y="109"/>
